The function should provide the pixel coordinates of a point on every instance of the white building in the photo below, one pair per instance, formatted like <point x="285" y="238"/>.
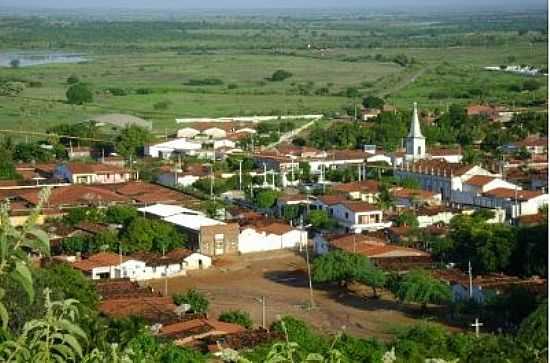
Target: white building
<point x="160" y="210"/>
<point x="274" y="236"/>
<point x="165" y="150"/>
<point x="415" y="142"/>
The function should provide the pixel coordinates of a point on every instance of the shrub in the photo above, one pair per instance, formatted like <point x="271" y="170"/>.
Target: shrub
<point x="204" y="82"/>
<point x="144" y="91"/>
<point x="198" y="302"/>
<point x="238" y="317"/>
<point x="117" y="91"/>
<point x="162" y="105"/>
<point x="79" y="94"/>
<point x="73" y="79"/>
<point x="280" y="75"/>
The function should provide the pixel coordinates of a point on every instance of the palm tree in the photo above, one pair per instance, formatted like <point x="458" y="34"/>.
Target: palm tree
<point x="384" y="199"/>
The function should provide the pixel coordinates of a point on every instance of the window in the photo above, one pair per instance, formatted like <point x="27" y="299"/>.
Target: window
<point x="419" y="150"/>
<point x="347" y="215"/>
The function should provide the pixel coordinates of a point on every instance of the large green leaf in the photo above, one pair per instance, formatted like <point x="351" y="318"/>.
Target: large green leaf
<point x="23" y="276"/>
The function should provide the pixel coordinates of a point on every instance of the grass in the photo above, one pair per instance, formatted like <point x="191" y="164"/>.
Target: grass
<point x="455" y="71"/>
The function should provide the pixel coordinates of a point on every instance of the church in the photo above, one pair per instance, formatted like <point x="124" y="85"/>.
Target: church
<point x="415" y="147"/>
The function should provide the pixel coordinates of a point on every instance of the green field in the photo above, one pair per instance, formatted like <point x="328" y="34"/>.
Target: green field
<point x="358" y="54"/>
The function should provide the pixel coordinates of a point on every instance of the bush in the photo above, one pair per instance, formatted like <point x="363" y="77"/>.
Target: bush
<point x="232" y="86"/>
<point x="204" y="82"/>
<point x="198" y="302"/>
<point x="79" y="94"/>
<point x="73" y="79"/>
<point x="531" y="85"/>
<point x="117" y="91"/>
<point x="144" y="91"/>
<point x="280" y="75"/>
<point x="238" y="317"/>
<point x="162" y="105"/>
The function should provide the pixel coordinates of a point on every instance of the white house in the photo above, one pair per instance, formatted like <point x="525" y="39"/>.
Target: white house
<point x="173" y="179"/>
<point x="352" y="215"/>
<point x="517" y="203"/>
<point x="92" y="173"/>
<point x="165" y="150"/>
<point x="273" y="236"/>
<point x="187" y="133"/>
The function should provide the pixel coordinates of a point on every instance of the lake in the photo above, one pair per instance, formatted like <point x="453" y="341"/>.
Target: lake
<point x="27" y="59"/>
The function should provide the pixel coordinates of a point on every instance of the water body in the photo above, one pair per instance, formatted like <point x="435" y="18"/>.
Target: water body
<point x="27" y="59"/>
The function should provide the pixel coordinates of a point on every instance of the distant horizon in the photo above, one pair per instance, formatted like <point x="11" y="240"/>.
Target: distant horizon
<point x="197" y="5"/>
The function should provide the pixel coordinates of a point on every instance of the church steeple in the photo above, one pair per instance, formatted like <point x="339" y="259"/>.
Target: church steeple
<point x="416" y="142"/>
<point x="415" y="130"/>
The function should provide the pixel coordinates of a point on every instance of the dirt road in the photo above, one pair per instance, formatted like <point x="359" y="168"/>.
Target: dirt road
<point x="239" y="283"/>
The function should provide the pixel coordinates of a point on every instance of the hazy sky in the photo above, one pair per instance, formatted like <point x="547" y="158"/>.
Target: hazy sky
<point x="195" y="4"/>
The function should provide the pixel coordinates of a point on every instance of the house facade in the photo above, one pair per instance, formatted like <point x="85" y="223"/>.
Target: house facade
<point x="274" y="236"/>
<point x="82" y="173"/>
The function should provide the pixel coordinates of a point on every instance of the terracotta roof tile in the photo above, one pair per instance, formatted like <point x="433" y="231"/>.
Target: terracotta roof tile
<point x="480" y="180"/>
<point x="74" y="195"/>
<point x="275" y="228"/>
<point x="359" y="206"/>
<point x="373" y="247"/>
<point x="522" y="195"/>
<point x="370" y="186"/>
<point x="102" y="259"/>
<point x="332" y="199"/>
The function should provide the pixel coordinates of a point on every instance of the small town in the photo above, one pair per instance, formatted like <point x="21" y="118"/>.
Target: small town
<point x="398" y="228"/>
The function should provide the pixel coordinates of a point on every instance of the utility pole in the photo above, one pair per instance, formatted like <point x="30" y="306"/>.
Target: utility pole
<point x="240" y="175"/>
<point x="471" y="287"/>
<point x="261" y="300"/>
<point x="302" y="229"/>
<point x="477" y="325"/>
<point x="211" y="181"/>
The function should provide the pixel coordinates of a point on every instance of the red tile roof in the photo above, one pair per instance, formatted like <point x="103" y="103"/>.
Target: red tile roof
<point x="369" y="186"/>
<point x="408" y="193"/>
<point x="521" y="195"/>
<point x="92" y="168"/>
<point x="480" y="180"/>
<point x="102" y="259"/>
<point x="332" y="199"/>
<point x="198" y="327"/>
<point x="372" y="247"/>
<point x="275" y="228"/>
<point x="359" y="207"/>
<point x="74" y="195"/>
<point x="153" y="309"/>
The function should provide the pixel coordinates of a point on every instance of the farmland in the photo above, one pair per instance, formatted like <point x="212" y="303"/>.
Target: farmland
<point x="222" y="66"/>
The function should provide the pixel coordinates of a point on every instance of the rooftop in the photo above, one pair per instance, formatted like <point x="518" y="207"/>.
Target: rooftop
<point x="167" y="210"/>
<point x="193" y="222"/>
<point x="102" y="259"/>
<point x="358" y="206"/>
<point x="370" y="186"/>
<point x="521" y="195"/>
<point x="373" y="247"/>
<point x="480" y="180"/>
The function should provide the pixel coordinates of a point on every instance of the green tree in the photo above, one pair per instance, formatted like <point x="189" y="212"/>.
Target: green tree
<point x="342" y="266"/>
<point x="408" y="219"/>
<point x="533" y="331"/>
<point x="7" y="167"/>
<point x="238" y="317"/>
<point x="15" y="63"/>
<point x="74" y="244"/>
<point x="320" y="219"/>
<point x="418" y="286"/>
<point x="165" y="237"/>
<point x="371" y="102"/>
<point x="131" y="141"/>
<point x="73" y="79"/>
<point x="265" y="199"/>
<point x="198" y="301"/>
<point x="280" y="75"/>
<point x="120" y="214"/>
<point x="291" y="212"/>
<point x="138" y="235"/>
<point x="79" y="94"/>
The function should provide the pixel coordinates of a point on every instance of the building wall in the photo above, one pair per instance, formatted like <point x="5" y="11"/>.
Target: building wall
<point x="197" y="261"/>
<point x="187" y="132"/>
<point x="252" y="241"/>
<point x="169" y="180"/>
<point x="219" y="240"/>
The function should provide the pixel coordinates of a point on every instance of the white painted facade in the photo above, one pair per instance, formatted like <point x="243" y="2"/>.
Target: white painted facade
<point x="368" y="220"/>
<point x="197" y="261"/>
<point x="166" y="149"/>
<point x="187" y="132"/>
<point x="176" y="179"/>
<point x="251" y="240"/>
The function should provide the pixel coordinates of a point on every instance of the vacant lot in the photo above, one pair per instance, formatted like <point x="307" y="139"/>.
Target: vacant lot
<point x="237" y="284"/>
